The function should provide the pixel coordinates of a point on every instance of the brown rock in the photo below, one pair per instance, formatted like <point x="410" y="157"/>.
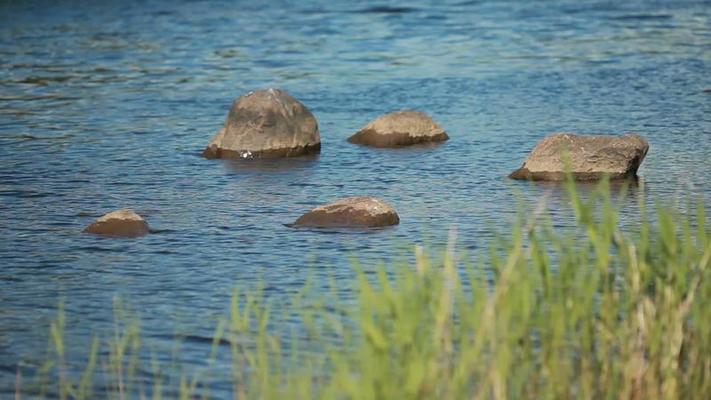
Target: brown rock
<point x="401" y="128"/>
<point x="588" y="157"/>
<point x="266" y="123"/>
<point x="358" y="212"/>
<point x="124" y="223"/>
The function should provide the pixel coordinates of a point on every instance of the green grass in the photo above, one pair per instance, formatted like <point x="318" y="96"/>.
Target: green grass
<point x="585" y="313"/>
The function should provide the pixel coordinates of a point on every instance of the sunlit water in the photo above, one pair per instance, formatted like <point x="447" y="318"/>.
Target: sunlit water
<point x="104" y="106"/>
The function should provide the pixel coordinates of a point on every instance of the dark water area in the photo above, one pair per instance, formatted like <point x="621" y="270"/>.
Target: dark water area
<point x="107" y="105"/>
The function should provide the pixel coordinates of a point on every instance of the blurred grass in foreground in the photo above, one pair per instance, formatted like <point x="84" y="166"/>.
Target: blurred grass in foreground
<point x="587" y="313"/>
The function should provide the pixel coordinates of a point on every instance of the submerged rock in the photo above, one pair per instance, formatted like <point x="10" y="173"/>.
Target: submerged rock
<point x="588" y="157"/>
<point x="266" y="123"/>
<point x="401" y="128"/>
<point x="122" y="223"/>
<point x="357" y="212"/>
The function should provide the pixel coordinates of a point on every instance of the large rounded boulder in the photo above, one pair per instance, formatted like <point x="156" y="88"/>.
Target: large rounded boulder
<point x="266" y="123"/>
<point x="401" y="128"/>
<point x="587" y="157"/>
<point x="119" y="223"/>
<point x="355" y="212"/>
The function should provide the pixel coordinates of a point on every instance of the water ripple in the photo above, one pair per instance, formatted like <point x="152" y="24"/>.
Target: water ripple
<point x="109" y="105"/>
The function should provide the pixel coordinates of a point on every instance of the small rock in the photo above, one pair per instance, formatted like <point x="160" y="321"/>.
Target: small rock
<point x="264" y="124"/>
<point x="123" y="223"/>
<point x="589" y="157"/>
<point x="357" y="212"/>
<point x="401" y="128"/>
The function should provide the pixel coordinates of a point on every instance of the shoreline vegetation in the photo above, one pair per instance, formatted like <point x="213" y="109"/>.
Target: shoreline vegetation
<point x="583" y="313"/>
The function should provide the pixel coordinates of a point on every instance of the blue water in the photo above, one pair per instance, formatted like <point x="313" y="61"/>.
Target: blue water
<point x="109" y="105"/>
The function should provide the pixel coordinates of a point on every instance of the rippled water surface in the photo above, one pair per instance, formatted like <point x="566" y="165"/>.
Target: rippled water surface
<point x="108" y="105"/>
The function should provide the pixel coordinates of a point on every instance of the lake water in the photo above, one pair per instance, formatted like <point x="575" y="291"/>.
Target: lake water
<point x="108" y="105"/>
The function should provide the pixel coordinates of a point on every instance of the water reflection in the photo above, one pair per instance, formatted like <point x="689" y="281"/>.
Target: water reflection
<point x="237" y="165"/>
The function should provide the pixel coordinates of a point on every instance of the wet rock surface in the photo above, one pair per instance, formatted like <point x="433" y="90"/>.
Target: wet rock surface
<point x="588" y="157"/>
<point x="357" y="212"/>
<point x="266" y="124"/>
<point x="119" y="223"/>
<point x="401" y="128"/>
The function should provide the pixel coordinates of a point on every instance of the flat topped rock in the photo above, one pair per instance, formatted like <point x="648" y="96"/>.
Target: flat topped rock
<point x="357" y="212"/>
<point x="588" y="157"/>
<point x="401" y="128"/>
<point x="120" y="223"/>
<point x="266" y="123"/>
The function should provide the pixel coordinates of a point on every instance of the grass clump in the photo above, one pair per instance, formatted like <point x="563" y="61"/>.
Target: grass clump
<point x="586" y="313"/>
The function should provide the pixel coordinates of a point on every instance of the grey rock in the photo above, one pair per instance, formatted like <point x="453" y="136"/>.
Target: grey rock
<point x="588" y="157"/>
<point x="401" y="128"/>
<point x="358" y="212"/>
<point x="266" y="123"/>
<point x="119" y="223"/>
